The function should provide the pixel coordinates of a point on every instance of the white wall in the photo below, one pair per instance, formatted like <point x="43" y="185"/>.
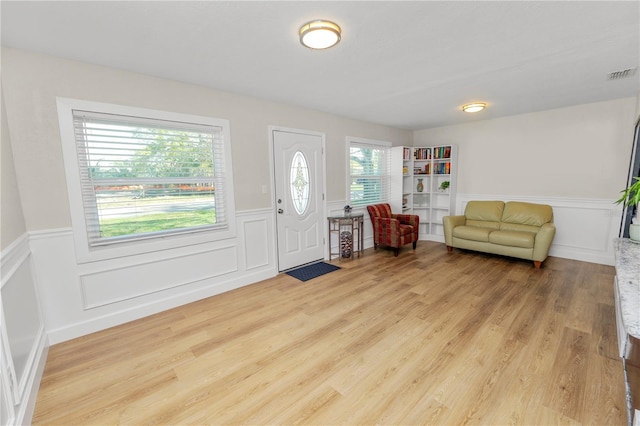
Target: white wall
<point x="576" y="159"/>
<point x="12" y="224"/>
<point x="581" y="151"/>
<point x="23" y="343"/>
<point x="546" y="154"/>
<point x="78" y="299"/>
<point x="33" y="81"/>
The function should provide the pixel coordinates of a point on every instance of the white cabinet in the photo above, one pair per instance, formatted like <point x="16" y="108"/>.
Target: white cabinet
<point x="423" y="182"/>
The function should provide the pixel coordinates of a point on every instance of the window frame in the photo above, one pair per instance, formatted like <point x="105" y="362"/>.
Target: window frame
<point x="374" y="144"/>
<point x="146" y="243"/>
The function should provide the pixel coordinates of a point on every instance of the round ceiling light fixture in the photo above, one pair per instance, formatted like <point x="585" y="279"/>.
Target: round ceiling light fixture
<point x="474" y="107"/>
<point x="319" y="34"/>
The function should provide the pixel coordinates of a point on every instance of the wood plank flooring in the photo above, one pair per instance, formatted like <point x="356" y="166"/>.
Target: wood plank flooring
<point x="428" y="337"/>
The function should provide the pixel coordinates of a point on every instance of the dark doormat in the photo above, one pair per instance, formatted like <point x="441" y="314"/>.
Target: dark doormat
<point x="314" y="270"/>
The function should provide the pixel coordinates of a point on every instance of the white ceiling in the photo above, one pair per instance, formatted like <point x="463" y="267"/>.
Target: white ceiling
<point x="404" y="64"/>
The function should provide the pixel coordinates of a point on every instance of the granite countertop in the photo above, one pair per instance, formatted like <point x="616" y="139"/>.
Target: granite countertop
<point x="627" y="255"/>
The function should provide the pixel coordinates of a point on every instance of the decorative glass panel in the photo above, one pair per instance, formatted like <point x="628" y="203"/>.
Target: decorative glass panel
<point x="299" y="182"/>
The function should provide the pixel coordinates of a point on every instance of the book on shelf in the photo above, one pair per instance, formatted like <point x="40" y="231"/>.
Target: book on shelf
<point x="426" y="170"/>
<point x="406" y="153"/>
<point x="422" y="154"/>
<point x="442" y="152"/>
<point x="442" y="168"/>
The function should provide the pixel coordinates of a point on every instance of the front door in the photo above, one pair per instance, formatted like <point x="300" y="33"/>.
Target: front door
<point x="299" y="182"/>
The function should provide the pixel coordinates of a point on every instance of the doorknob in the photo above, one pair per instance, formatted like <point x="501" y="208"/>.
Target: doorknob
<point x="280" y="211"/>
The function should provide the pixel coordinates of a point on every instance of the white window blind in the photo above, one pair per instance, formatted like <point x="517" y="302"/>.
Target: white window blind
<point x="369" y="166"/>
<point x="142" y="178"/>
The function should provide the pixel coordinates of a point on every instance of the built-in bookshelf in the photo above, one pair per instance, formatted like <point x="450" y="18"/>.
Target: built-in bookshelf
<point x="418" y="185"/>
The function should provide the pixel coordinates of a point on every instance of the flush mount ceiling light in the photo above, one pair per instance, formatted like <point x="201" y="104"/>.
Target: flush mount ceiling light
<point x="474" y="107"/>
<point x="319" y="34"/>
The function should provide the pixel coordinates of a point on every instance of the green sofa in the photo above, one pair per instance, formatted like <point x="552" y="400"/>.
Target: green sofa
<point x="516" y="229"/>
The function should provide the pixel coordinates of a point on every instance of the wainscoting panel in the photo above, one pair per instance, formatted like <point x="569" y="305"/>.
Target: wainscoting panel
<point x="585" y="228"/>
<point x="256" y="243"/>
<point x="115" y="285"/>
<point x="81" y="298"/>
<point x="23" y="342"/>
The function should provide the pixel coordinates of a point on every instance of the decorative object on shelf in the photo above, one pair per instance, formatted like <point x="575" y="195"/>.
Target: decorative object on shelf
<point x="346" y="244"/>
<point x="631" y="198"/>
<point x="347" y="210"/>
<point x="444" y="186"/>
<point x="420" y="186"/>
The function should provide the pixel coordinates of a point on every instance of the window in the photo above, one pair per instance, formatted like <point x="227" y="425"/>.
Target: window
<point x="368" y="171"/>
<point x="144" y="174"/>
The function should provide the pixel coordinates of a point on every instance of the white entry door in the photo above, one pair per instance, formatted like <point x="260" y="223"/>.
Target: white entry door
<point x="299" y="181"/>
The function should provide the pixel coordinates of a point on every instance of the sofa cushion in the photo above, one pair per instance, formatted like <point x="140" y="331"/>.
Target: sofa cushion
<point x="506" y="226"/>
<point x="490" y="211"/>
<point x="472" y="233"/>
<point x="513" y="238"/>
<point x="527" y="213"/>
<point x="483" y="224"/>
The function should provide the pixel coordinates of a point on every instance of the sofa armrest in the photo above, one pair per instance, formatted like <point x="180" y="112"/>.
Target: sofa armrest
<point x="543" y="241"/>
<point x="450" y="222"/>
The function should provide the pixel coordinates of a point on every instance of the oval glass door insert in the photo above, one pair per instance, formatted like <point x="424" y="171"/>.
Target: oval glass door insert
<point x="299" y="182"/>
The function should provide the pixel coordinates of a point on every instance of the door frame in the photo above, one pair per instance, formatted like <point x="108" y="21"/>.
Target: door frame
<point x="322" y="208"/>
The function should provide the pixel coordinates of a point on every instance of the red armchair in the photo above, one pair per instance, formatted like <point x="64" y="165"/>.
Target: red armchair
<point x="392" y="230"/>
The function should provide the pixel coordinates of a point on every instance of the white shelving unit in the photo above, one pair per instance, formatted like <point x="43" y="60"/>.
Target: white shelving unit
<point x="416" y="178"/>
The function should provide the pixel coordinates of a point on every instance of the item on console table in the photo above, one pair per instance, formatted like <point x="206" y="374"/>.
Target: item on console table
<point x="346" y="244"/>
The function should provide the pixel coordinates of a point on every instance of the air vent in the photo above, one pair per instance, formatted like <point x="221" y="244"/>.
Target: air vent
<point x="617" y="75"/>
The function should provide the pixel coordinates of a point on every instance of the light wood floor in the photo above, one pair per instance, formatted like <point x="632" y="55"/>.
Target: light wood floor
<point x="429" y="337"/>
